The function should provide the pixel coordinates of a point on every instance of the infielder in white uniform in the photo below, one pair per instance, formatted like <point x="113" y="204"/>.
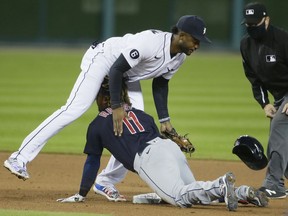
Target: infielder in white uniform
<point x="151" y="54"/>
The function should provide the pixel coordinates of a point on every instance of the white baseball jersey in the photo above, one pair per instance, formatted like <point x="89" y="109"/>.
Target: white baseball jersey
<point x="147" y="52"/>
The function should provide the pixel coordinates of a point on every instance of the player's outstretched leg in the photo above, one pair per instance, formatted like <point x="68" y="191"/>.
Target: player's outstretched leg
<point x="227" y="187"/>
<point x="249" y="195"/>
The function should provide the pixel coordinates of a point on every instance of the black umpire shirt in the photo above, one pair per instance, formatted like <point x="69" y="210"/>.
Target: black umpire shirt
<point x="265" y="64"/>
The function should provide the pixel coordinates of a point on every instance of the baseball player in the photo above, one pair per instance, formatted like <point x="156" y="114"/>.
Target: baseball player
<point x="264" y="52"/>
<point x="150" y="54"/>
<point x="129" y="65"/>
<point x="158" y="162"/>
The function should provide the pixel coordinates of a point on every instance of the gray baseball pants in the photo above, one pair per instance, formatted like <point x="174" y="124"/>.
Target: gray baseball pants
<point x="277" y="151"/>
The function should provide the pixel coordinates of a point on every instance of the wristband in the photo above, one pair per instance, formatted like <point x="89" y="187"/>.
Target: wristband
<point x="164" y="119"/>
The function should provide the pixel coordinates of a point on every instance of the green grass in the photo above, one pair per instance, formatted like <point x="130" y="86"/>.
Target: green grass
<point x="209" y="98"/>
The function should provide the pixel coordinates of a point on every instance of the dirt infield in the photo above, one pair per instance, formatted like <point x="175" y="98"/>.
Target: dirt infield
<point x="55" y="176"/>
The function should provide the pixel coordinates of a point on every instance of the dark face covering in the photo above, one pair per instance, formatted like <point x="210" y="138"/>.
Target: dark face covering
<point x="257" y="32"/>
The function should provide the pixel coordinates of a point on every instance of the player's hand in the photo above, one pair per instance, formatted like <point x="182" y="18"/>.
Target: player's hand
<point x="118" y="115"/>
<point x="285" y="109"/>
<point x="270" y="111"/>
<point x="166" y="126"/>
<point x="72" y="199"/>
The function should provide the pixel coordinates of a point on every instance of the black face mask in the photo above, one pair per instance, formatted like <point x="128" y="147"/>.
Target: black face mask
<point x="257" y="32"/>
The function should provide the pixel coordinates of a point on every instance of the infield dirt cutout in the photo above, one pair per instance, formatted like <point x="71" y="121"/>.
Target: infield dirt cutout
<point x="55" y="176"/>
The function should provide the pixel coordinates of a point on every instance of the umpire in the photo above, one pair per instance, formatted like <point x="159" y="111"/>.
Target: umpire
<point x="264" y="51"/>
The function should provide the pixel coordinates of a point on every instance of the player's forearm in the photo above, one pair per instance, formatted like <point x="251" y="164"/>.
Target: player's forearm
<point x="261" y="95"/>
<point x="115" y="80"/>
<point x="160" y="94"/>
<point x="90" y="170"/>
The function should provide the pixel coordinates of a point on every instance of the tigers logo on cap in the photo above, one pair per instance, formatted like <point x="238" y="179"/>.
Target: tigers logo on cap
<point x="194" y="26"/>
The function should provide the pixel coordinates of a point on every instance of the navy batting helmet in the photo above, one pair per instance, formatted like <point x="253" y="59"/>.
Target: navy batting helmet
<point x="251" y="152"/>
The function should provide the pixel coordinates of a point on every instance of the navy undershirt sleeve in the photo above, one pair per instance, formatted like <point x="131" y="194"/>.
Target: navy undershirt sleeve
<point x="160" y="94"/>
<point x="119" y="67"/>
<point x="89" y="174"/>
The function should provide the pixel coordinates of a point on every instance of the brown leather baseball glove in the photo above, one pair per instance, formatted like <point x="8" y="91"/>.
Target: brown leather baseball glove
<point x="182" y="141"/>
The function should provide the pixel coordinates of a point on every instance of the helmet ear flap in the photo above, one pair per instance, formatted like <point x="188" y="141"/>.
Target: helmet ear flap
<point x="251" y="152"/>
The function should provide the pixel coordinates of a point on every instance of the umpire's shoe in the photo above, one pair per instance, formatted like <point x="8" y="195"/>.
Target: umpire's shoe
<point x="14" y="166"/>
<point x="273" y="194"/>
<point x="228" y="191"/>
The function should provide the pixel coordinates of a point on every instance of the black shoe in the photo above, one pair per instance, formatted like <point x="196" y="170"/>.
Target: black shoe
<point x="286" y="192"/>
<point x="273" y="194"/>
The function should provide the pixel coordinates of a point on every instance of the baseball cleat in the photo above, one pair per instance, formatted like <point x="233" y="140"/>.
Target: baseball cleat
<point x="73" y="199"/>
<point x="257" y="197"/>
<point x="228" y="191"/>
<point x="109" y="192"/>
<point x="15" y="168"/>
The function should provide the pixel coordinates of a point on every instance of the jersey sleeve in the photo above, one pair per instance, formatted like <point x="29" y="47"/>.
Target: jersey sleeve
<point x="140" y="47"/>
<point x="93" y="138"/>
<point x="260" y="93"/>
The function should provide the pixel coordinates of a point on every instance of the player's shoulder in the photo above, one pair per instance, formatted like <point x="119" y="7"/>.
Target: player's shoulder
<point x="105" y="113"/>
<point x="245" y="42"/>
<point x="141" y="113"/>
<point x="278" y="30"/>
<point x="245" y="38"/>
<point x="279" y="33"/>
<point x="153" y="34"/>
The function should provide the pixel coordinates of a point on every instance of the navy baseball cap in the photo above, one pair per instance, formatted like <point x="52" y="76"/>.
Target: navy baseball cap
<point x="194" y="26"/>
<point x="253" y="13"/>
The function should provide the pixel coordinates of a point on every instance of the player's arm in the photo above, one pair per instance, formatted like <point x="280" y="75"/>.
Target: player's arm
<point x="93" y="149"/>
<point x="90" y="171"/>
<point x="259" y="91"/>
<point x="160" y="94"/>
<point x="119" y="67"/>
